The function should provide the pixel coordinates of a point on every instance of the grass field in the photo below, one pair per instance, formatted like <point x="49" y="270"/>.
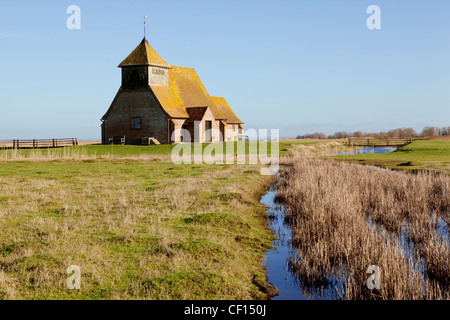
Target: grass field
<point x="137" y="225"/>
<point x="431" y="155"/>
<point x="139" y="228"/>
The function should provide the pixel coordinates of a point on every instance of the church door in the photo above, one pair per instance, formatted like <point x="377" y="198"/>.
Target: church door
<point x="208" y="131"/>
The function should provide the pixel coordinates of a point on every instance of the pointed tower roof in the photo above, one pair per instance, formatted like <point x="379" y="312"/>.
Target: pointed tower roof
<point x="144" y="55"/>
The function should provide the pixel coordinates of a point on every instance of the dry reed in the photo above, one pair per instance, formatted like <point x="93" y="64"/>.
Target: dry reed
<point x="346" y="217"/>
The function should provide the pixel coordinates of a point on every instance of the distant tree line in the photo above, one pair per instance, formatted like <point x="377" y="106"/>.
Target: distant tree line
<point x="394" y="133"/>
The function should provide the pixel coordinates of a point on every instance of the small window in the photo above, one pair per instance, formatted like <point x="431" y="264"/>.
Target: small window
<point x="135" y="123"/>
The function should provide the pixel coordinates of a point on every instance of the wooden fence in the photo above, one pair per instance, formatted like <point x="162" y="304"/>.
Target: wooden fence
<point x="389" y="142"/>
<point x="39" y="143"/>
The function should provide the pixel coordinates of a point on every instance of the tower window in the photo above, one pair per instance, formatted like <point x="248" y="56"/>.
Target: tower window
<point x="135" y="123"/>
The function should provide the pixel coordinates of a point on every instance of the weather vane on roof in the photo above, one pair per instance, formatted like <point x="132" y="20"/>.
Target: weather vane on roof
<point x="145" y="17"/>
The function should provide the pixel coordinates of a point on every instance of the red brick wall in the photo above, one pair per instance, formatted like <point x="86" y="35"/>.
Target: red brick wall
<point x="136" y="103"/>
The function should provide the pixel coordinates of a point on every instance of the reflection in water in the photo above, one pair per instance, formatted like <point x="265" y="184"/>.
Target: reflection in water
<point x="277" y="259"/>
<point x="279" y="265"/>
<point x="364" y="151"/>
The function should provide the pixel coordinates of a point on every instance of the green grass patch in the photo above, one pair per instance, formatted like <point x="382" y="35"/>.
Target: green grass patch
<point x="432" y="155"/>
<point x="228" y="220"/>
<point x="190" y="284"/>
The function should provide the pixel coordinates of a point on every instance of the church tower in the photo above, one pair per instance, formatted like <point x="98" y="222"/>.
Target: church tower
<point x="144" y="67"/>
<point x="136" y="115"/>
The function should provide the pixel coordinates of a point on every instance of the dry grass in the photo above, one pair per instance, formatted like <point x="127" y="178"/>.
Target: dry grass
<point x="38" y="155"/>
<point x="73" y="154"/>
<point x="137" y="229"/>
<point x="346" y="217"/>
<point x="321" y="148"/>
<point x="440" y="138"/>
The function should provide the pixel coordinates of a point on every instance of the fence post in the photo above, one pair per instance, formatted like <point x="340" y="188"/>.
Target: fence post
<point x="56" y="140"/>
<point x="76" y="141"/>
<point x="53" y="142"/>
<point x="37" y="143"/>
<point x="34" y="143"/>
<point x="14" y="143"/>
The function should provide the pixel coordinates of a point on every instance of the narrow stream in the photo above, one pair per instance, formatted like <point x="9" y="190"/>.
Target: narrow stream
<point x="277" y="259"/>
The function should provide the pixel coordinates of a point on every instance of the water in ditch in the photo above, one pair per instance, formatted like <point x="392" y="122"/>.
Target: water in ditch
<point x="364" y="151"/>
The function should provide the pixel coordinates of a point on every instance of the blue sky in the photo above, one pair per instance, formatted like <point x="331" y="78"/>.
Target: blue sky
<point x="298" y="66"/>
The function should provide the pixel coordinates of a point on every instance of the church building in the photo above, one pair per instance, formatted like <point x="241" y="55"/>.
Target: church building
<point x="157" y="100"/>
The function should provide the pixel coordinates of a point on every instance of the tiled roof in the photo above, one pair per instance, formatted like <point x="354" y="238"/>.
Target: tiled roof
<point x="187" y="83"/>
<point x="170" y="101"/>
<point x="185" y="90"/>
<point x="226" y="110"/>
<point x="144" y="55"/>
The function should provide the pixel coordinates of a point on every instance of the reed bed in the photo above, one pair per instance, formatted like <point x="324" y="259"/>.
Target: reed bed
<point x="346" y="217"/>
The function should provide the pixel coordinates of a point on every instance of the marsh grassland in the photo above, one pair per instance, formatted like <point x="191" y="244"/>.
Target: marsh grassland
<point x="142" y="227"/>
<point x="138" y="226"/>
<point x="346" y="217"/>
